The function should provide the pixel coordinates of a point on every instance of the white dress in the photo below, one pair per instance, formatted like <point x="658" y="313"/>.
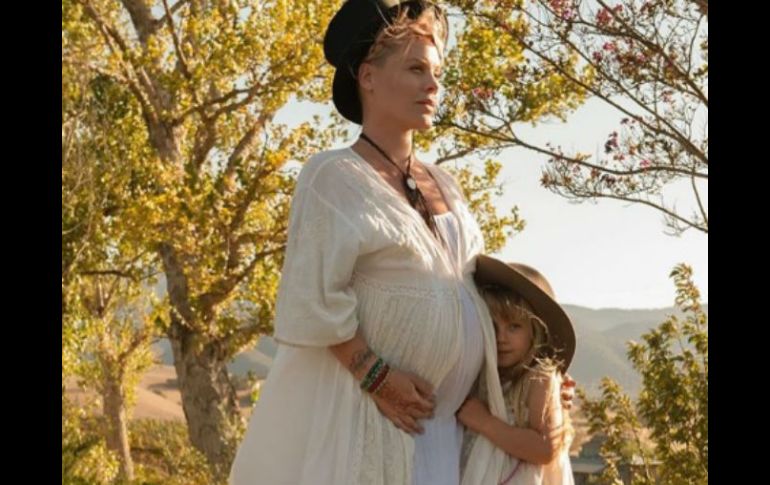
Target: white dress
<point x="437" y="450"/>
<point x="359" y="258"/>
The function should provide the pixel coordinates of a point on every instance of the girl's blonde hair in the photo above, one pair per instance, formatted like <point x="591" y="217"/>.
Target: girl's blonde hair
<point x="506" y="305"/>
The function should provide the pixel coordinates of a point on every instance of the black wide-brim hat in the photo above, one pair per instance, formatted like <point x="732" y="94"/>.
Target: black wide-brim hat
<point x="349" y="37"/>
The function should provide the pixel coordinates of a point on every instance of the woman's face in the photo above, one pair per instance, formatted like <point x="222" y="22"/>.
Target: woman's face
<point x="404" y="89"/>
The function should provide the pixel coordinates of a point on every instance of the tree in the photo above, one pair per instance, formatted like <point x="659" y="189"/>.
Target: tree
<point x="107" y="326"/>
<point x="647" y="60"/>
<point x="210" y="191"/>
<point x="672" y="407"/>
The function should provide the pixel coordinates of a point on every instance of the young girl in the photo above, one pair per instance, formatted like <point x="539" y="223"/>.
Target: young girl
<point x="535" y="344"/>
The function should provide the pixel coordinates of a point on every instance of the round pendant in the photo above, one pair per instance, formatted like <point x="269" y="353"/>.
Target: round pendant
<point x="411" y="183"/>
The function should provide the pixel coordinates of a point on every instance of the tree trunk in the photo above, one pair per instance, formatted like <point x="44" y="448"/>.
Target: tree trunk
<point x="208" y="397"/>
<point x="117" y="434"/>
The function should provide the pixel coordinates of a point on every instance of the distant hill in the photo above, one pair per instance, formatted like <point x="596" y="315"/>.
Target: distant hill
<point x="601" y="346"/>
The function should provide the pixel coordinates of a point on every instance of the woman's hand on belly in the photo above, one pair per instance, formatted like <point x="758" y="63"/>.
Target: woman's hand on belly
<point x="405" y="398"/>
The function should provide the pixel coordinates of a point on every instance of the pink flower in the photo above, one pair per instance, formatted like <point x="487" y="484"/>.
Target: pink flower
<point x="603" y="17"/>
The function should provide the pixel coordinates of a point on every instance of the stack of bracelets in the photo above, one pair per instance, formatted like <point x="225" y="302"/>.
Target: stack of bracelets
<point x="376" y="376"/>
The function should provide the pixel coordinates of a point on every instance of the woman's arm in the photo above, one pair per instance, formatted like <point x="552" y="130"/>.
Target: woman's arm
<point x="403" y="397"/>
<point x="355" y="355"/>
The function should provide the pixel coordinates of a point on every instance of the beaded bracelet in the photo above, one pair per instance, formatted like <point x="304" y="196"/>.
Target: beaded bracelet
<point x="372" y="374"/>
<point x="380" y="381"/>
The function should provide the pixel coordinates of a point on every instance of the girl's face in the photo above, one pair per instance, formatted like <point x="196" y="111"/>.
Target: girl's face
<point x="404" y="89"/>
<point x="514" y="340"/>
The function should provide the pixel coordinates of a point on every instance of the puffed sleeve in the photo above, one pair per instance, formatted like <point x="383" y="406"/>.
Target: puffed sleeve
<point x="316" y="305"/>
